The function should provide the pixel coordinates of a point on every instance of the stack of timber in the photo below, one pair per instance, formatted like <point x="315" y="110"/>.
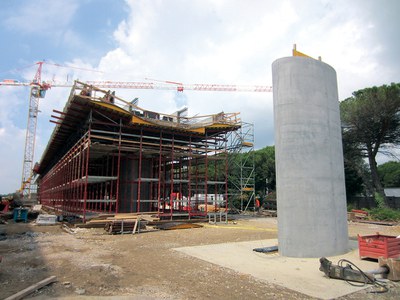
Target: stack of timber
<point x="137" y="222"/>
<point x="123" y="221"/>
<point x="359" y="214"/>
<point x="125" y="226"/>
<point x="129" y="222"/>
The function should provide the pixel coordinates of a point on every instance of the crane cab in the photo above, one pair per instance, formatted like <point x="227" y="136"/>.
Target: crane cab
<point x="38" y="92"/>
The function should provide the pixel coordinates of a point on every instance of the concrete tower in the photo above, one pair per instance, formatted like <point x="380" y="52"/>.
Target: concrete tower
<point x="312" y="219"/>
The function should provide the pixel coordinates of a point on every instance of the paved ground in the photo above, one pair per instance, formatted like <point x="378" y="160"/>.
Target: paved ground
<point x="298" y="274"/>
<point x="91" y="264"/>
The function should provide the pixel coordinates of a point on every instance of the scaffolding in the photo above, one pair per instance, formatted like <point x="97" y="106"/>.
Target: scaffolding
<point x="242" y="171"/>
<point x="102" y="158"/>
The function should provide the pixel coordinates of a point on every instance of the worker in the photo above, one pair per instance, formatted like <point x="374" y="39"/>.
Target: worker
<point x="112" y="97"/>
<point x="106" y="97"/>
<point x="257" y="205"/>
<point x="86" y="91"/>
<point x="109" y="97"/>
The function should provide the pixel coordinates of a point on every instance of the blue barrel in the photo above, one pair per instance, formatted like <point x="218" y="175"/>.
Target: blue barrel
<point x="21" y="214"/>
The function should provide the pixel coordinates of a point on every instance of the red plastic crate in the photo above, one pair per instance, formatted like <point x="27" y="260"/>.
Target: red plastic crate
<point x="377" y="245"/>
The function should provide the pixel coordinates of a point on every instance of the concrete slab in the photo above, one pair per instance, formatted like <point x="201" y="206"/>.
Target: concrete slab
<point x="299" y="274"/>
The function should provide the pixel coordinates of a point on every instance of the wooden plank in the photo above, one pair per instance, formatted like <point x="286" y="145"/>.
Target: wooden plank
<point x="97" y="221"/>
<point x="175" y="225"/>
<point x="122" y="218"/>
<point x="384" y="223"/>
<point x="107" y="216"/>
<point x="149" y="218"/>
<point x="133" y="217"/>
<point x="103" y="216"/>
<point x="134" y="227"/>
<point x="137" y="213"/>
<point x="125" y="221"/>
<point x="88" y="225"/>
<point x="32" y="288"/>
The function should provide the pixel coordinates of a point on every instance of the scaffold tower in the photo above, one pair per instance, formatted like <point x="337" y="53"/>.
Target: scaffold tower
<point x="241" y="178"/>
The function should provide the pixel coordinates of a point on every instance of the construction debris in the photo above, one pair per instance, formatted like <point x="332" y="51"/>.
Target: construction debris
<point x="357" y="214"/>
<point x="46" y="220"/>
<point x="266" y="249"/>
<point x="384" y="223"/>
<point x="67" y="229"/>
<point x="177" y="225"/>
<point x="37" y="208"/>
<point x="392" y="266"/>
<point x="32" y="288"/>
<point x="267" y="213"/>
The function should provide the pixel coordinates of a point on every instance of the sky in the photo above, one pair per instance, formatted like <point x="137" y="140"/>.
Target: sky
<point x="188" y="41"/>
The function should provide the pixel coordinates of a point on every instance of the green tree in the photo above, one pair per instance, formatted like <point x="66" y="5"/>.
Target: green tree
<point x="354" y="181"/>
<point x="371" y="119"/>
<point x="389" y="174"/>
<point x="357" y="175"/>
<point x="265" y="169"/>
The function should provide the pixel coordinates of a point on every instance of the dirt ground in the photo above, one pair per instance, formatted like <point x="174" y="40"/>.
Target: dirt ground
<point x="90" y="263"/>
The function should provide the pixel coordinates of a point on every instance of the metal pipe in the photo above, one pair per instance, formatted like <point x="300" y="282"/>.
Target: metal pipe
<point x="140" y="170"/>
<point x="380" y="270"/>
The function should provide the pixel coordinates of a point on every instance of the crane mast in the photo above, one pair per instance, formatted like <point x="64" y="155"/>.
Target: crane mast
<point x="29" y="144"/>
<point x="37" y="91"/>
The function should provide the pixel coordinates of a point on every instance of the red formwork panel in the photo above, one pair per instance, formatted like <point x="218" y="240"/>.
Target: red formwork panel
<point x="378" y="245"/>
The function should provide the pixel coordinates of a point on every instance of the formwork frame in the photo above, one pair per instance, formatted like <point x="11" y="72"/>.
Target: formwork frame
<point x="117" y="166"/>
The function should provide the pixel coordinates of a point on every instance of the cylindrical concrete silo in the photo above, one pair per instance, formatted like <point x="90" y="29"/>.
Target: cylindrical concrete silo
<point x="311" y="196"/>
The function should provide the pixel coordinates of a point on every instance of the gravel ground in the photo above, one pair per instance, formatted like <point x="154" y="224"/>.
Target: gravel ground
<point x="90" y="264"/>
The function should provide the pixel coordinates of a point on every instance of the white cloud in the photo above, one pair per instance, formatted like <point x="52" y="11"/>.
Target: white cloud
<point x="12" y="137"/>
<point x="42" y="17"/>
<point x="72" y="39"/>
<point x="236" y="42"/>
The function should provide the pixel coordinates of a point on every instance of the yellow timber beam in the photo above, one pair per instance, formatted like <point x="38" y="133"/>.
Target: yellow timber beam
<point x="298" y="53"/>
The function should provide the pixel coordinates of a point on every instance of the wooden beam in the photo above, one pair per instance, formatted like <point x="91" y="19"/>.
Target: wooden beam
<point x="136" y="224"/>
<point x="32" y="288"/>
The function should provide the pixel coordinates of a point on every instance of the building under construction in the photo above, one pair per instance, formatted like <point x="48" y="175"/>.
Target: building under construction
<point x="107" y="155"/>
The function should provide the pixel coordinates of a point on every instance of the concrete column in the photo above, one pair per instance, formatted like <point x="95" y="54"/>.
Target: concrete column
<point x="311" y="195"/>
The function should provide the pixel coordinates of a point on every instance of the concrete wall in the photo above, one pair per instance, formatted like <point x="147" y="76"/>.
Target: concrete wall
<point x="311" y="196"/>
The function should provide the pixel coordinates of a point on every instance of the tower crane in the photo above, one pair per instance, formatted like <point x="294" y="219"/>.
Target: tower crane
<point x="38" y="89"/>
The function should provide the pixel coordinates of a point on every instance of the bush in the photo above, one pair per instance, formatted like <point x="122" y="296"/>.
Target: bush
<point x="380" y="201"/>
<point x="385" y="214"/>
<point x="350" y="207"/>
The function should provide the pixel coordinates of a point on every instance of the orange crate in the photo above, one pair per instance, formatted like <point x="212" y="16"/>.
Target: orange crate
<point x="378" y="245"/>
